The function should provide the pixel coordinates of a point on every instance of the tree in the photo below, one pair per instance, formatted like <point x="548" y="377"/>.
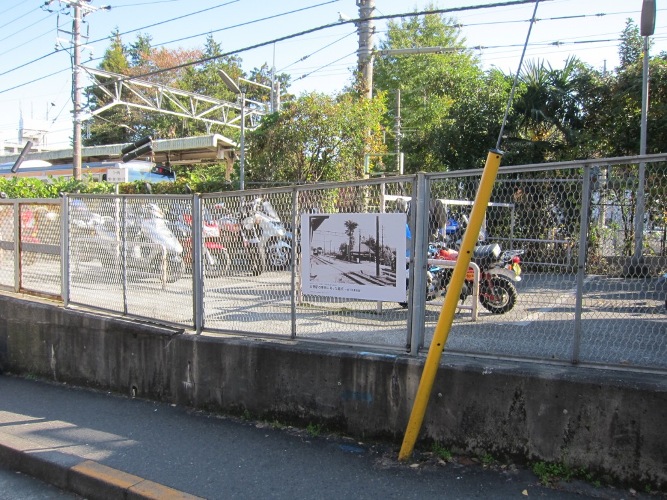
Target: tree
<point x="551" y="110"/>
<point x="350" y="228"/>
<point x="449" y="108"/>
<point x="631" y="48"/>
<point x="316" y="138"/>
<point x="263" y="75"/>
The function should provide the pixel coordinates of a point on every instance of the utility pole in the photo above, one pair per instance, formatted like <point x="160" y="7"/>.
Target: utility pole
<point x="365" y="55"/>
<point x="647" y="30"/>
<point x="76" y="91"/>
<point x="81" y="8"/>
<point x="397" y="131"/>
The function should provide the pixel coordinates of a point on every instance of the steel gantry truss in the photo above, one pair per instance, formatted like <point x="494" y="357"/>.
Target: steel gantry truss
<point x="149" y="96"/>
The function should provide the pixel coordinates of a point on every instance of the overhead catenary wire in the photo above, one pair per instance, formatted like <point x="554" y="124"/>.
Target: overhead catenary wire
<point x="177" y="18"/>
<point x="322" y="27"/>
<point x="317" y="51"/>
<point x="516" y="79"/>
<point x="322" y="67"/>
<point x="338" y="24"/>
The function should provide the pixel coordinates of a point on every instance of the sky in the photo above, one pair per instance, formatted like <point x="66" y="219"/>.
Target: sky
<point x="35" y="62"/>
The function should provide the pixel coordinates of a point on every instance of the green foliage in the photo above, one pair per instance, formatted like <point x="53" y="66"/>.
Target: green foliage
<point x="550" y="473"/>
<point x="631" y="48"/>
<point x="450" y="110"/>
<point x="316" y="138"/>
<point x="25" y="187"/>
<point x="441" y="452"/>
<point x="314" y="430"/>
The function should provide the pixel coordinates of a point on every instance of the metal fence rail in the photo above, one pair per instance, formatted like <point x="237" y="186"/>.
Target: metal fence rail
<point x="326" y="262"/>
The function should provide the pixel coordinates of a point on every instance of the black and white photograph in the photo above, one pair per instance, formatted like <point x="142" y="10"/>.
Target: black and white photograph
<point x="354" y="255"/>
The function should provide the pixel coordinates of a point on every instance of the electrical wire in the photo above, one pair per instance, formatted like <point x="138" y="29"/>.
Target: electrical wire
<point x="516" y="79"/>
<point x="315" y="52"/>
<point x="320" y="28"/>
<point x="33" y="38"/>
<point x="23" y="29"/>
<point x="295" y="35"/>
<point x="16" y="18"/>
<point x="144" y="3"/>
<point x="325" y="66"/>
<point x="249" y="22"/>
<point x="171" y="20"/>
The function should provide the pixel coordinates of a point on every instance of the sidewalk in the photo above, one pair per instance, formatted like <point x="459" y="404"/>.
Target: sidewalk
<point x="106" y="446"/>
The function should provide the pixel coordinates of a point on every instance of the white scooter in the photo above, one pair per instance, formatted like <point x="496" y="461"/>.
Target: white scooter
<point x="274" y="239"/>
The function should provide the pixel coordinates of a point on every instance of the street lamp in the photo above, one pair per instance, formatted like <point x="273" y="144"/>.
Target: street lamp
<point x="231" y="85"/>
<point x="647" y="29"/>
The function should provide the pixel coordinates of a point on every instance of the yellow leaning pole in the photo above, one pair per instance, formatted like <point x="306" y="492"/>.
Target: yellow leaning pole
<point x="446" y="318"/>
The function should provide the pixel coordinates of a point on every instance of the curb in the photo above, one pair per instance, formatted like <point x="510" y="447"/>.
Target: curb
<point x="84" y="477"/>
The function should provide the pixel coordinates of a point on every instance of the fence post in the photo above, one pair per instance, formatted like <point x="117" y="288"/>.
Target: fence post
<point x="197" y="263"/>
<point x="64" y="249"/>
<point x="295" y="229"/>
<point x="581" y="261"/>
<point x="418" y="262"/>
<point x="123" y="252"/>
<point x="17" y="247"/>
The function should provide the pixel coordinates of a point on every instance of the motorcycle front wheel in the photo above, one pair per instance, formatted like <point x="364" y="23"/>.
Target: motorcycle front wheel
<point x="278" y="257"/>
<point x="498" y="295"/>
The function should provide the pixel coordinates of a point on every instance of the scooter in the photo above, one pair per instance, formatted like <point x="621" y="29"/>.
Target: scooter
<point x="274" y="239"/>
<point x="238" y="233"/>
<point x="150" y="246"/>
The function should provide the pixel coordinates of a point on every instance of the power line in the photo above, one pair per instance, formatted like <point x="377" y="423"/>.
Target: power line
<point x="295" y="35"/>
<point x="322" y="67"/>
<point x="35" y="80"/>
<point x="134" y="4"/>
<point x="24" y="28"/>
<point x="315" y="52"/>
<point x="16" y="18"/>
<point x="177" y="18"/>
<point x="22" y="44"/>
<point x="171" y="20"/>
<point x="322" y="27"/>
<point x="248" y="22"/>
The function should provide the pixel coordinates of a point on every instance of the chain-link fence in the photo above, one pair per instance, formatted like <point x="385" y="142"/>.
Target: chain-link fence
<point x="30" y="246"/>
<point x="555" y="276"/>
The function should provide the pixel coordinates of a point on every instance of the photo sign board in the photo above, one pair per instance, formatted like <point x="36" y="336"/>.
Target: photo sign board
<point x="354" y="256"/>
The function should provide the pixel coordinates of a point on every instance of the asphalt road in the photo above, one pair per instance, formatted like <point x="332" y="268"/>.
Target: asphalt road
<point x="218" y="457"/>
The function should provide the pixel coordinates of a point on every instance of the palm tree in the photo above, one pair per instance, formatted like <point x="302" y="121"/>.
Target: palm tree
<point x="350" y="227"/>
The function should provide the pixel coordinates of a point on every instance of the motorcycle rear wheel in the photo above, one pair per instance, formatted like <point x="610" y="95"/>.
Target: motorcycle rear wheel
<point x="221" y="266"/>
<point x="500" y="297"/>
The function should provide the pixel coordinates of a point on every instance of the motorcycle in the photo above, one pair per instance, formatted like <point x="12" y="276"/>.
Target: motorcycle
<point x="499" y="270"/>
<point x="274" y="239"/>
<point x="150" y="245"/>
<point x="215" y="256"/>
<point x="238" y="233"/>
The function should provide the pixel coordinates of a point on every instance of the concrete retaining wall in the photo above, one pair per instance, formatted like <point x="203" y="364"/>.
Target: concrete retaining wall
<point x="607" y="422"/>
